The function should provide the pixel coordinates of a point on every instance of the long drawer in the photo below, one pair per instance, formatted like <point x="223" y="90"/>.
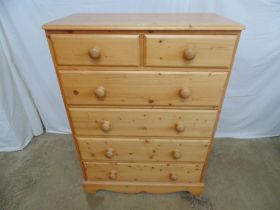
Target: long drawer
<point x="143" y="88"/>
<point x="150" y="172"/>
<point x="142" y="149"/>
<point x="96" y="50"/>
<point x="143" y="122"/>
<point x="189" y="50"/>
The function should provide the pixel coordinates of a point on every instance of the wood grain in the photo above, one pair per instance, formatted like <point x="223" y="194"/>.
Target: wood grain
<point x="159" y="21"/>
<point x="142" y="93"/>
<point x="149" y="187"/>
<point x="66" y="108"/>
<point x="150" y="172"/>
<point x="168" y="50"/>
<point x="143" y="149"/>
<point x="143" y="88"/>
<point x="219" y="112"/>
<point x="143" y="122"/>
<point x="115" y="50"/>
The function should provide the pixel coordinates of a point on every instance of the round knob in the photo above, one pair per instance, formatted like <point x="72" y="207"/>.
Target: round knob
<point x="173" y="176"/>
<point x="100" y="92"/>
<point x="189" y="54"/>
<point x="176" y="154"/>
<point x="109" y="153"/>
<point x="113" y="175"/>
<point x="180" y="127"/>
<point x="94" y="53"/>
<point x="184" y="93"/>
<point x="106" y="126"/>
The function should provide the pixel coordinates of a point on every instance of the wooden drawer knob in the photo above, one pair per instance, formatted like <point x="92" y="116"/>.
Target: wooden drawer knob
<point x="109" y="153"/>
<point x="180" y="127"/>
<point x="176" y="154"/>
<point x="113" y="175"/>
<point x="106" y="126"/>
<point x="100" y="92"/>
<point x="173" y="176"/>
<point x="184" y="93"/>
<point x="189" y="54"/>
<point x="94" y="53"/>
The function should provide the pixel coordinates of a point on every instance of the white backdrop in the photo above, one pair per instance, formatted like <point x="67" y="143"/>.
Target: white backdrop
<point x="29" y="93"/>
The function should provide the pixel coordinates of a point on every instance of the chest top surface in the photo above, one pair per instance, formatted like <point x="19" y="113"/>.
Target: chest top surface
<point x="162" y="21"/>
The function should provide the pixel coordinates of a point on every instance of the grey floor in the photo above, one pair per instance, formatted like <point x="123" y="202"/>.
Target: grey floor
<point x="242" y="174"/>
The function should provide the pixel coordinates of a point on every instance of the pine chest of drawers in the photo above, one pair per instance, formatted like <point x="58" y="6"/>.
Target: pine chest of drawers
<point x="143" y="94"/>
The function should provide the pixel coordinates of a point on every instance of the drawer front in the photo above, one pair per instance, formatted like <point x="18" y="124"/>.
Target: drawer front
<point x="189" y="50"/>
<point x="96" y="50"/>
<point x="143" y="122"/>
<point x="143" y="149"/>
<point x="151" y="172"/>
<point x="144" y="88"/>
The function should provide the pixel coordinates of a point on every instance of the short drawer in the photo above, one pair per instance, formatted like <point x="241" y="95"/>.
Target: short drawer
<point x="143" y="88"/>
<point x="189" y="50"/>
<point x="143" y="122"/>
<point x="150" y="172"/>
<point x="143" y="149"/>
<point x="96" y="50"/>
